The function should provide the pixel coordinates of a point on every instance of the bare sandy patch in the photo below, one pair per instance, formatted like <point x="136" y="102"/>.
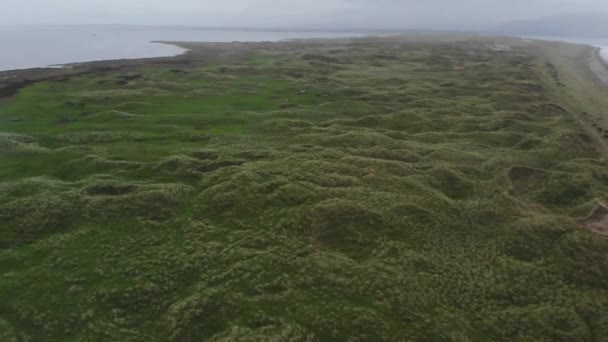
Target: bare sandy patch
<point x="598" y="221"/>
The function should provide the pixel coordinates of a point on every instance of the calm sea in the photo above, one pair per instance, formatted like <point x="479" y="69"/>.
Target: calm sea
<point x="30" y="47"/>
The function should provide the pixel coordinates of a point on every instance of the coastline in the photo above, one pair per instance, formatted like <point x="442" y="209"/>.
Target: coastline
<point x="13" y="80"/>
<point x="600" y="56"/>
<point x="195" y="53"/>
<point x="41" y="47"/>
<point x="312" y="163"/>
<point x="602" y="51"/>
<point x="599" y="65"/>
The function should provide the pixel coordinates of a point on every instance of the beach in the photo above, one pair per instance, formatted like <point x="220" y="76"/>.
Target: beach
<point x="602" y="69"/>
<point x="604" y="54"/>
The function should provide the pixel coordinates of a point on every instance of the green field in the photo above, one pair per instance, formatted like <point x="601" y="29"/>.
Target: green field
<point x="383" y="189"/>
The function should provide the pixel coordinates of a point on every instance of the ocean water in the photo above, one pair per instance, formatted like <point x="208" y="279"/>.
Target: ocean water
<point x="30" y="47"/>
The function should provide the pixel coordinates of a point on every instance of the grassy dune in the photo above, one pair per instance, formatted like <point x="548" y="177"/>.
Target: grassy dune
<point x="376" y="190"/>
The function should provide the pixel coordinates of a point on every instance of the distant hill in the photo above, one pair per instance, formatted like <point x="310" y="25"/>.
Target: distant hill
<point x="591" y="25"/>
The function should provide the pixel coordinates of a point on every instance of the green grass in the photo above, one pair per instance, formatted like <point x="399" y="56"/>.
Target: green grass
<point x="378" y="190"/>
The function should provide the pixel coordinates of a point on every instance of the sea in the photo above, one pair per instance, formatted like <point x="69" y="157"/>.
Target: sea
<point x="23" y="47"/>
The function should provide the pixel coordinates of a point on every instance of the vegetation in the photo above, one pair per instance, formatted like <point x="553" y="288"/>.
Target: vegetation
<point x="376" y="190"/>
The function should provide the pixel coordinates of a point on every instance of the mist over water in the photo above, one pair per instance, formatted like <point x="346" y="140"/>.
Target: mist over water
<point x="30" y="47"/>
<point x="42" y="46"/>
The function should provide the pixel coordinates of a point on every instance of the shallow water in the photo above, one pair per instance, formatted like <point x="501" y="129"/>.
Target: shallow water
<point x="29" y="47"/>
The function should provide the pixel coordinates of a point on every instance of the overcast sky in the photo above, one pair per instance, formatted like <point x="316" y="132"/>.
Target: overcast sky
<point x="422" y="14"/>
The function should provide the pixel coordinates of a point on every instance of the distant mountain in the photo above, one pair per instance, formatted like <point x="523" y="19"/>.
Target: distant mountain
<point x="590" y="25"/>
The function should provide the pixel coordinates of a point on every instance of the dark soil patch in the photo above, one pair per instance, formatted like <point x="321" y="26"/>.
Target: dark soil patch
<point x="345" y="226"/>
<point x="294" y="74"/>
<point x="254" y="155"/>
<point x="110" y="190"/>
<point x="124" y="80"/>
<point x="585" y="138"/>
<point x="533" y="88"/>
<point x="288" y="105"/>
<point x="65" y="121"/>
<point x="553" y="109"/>
<point x="178" y="71"/>
<point x="524" y="178"/>
<point x="554" y="74"/>
<point x="205" y="155"/>
<point x="131" y="77"/>
<point x="386" y="57"/>
<point x="312" y="57"/>
<point x="12" y="89"/>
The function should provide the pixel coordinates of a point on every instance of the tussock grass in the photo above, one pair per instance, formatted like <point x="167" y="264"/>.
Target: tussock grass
<point x="378" y="189"/>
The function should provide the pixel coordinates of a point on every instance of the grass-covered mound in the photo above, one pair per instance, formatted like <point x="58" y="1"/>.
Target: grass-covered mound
<point x="374" y="190"/>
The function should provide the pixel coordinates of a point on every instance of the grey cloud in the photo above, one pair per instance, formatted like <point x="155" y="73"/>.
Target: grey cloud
<point x="423" y="14"/>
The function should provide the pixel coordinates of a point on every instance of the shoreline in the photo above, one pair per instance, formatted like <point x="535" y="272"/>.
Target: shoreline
<point x="599" y="66"/>
<point x="600" y="56"/>
<point x="40" y="48"/>
<point x="195" y="53"/>
<point x="69" y="65"/>
<point x="4" y="74"/>
<point x="13" y="80"/>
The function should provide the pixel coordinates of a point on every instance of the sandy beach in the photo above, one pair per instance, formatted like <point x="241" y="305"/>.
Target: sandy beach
<point x="599" y="66"/>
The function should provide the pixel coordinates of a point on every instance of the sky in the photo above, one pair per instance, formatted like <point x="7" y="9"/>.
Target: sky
<point x="335" y="14"/>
